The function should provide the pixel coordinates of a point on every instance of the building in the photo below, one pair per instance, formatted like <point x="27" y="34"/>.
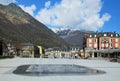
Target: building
<point x="104" y="43"/>
<point x="3" y="48"/>
<point x="25" y="49"/>
<point x="11" y="49"/>
<point x="57" y="52"/>
<point x="38" y="51"/>
<point x="75" y="51"/>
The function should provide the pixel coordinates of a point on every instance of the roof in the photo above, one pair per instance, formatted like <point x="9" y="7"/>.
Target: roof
<point x="26" y="44"/>
<point x="104" y="34"/>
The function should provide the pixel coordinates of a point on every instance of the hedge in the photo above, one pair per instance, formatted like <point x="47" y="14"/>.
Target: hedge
<point x="8" y="56"/>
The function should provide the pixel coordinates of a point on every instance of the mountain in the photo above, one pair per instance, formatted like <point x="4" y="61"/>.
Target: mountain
<point x="18" y="26"/>
<point x="63" y="33"/>
<point x="74" y="37"/>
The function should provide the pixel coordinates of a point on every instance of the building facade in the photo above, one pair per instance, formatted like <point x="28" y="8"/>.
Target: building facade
<point x="102" y="41"/>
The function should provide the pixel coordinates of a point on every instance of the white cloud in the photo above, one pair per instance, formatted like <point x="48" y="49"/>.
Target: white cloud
<point x="47" y="4"/>
<point x="29" y="9"/>
<point x="6" y="2"/>
<point x="78" y="14"/>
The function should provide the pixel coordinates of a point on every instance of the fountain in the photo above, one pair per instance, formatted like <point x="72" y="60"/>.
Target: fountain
<point x="55" y="69"/>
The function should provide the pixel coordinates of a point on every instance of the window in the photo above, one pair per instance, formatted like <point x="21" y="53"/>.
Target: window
<point x="104" y="39"/>
<point x="111" y="40"/>
<point x="116" y="35"/>
<point x="102" y="45"/>
<point x="90" y="35"/>
<point x="111" y="35"/>
<point x="107" y="45"/>
<point x="116" y="45"/>
<point x="116" y="40"/>
<point x="90" y="40"/>
<point x="95" y="45"/>
<point x="102" y="48"/>
<point x="105" y="34"/>
<point x="111" y="45"/>
<point x="94" y="35"/>
<point x="95" y="40"/>
<point x="90" y="45"/>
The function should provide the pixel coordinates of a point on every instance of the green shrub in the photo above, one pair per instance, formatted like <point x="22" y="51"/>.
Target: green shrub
<point x="45" y="56"/>
<point x="8" y="56"/>
<point x="36" y="56"/>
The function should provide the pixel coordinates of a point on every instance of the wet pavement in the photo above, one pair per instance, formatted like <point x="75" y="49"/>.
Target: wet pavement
<point x="8" y="66"/>
<point x="55" y="69"/>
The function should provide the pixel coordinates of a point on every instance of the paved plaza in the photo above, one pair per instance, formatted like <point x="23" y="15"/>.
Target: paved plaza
<point x="112" y="69"/>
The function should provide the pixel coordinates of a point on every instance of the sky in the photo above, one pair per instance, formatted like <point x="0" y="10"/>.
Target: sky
<point x="93" y="15"/>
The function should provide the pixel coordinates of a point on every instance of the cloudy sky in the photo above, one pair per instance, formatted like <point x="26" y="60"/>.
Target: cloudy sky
<point x="95" y="15"/>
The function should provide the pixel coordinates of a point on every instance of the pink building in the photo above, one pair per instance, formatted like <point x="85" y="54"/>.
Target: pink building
<point x="102" y="41"/>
